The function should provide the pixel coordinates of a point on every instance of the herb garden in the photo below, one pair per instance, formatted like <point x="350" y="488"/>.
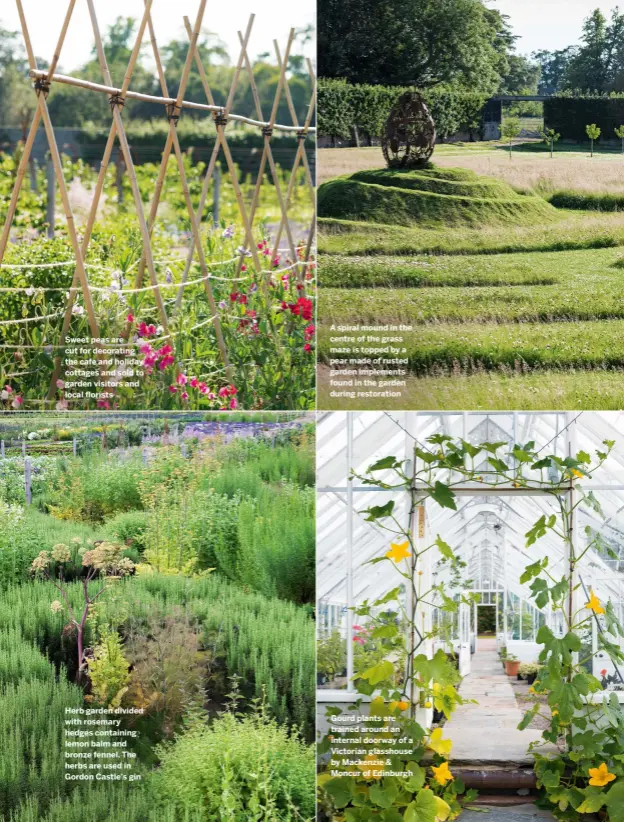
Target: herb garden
<point x="424" y="519"/>
<point x="171" y="306"/>
<point x="163" y="567"/>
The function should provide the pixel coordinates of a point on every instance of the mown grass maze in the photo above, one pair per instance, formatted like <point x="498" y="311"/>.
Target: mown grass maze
<point x="509" y="272"/>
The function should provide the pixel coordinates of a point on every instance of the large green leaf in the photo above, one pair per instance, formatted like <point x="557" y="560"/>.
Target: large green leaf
<point x="377" y="673"/>
<point x="341" y="790"/>
<point x="443" y="495"/>
<point x="422" y="809"/>
<point x="384" y="464"/>
<point x="378" y="511"/>
<point x="615" y="802"/>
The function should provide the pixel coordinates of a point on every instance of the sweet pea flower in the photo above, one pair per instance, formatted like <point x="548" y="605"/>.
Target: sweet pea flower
<point x="194" y="382"/>
<point x="184" y="395"/>
<point x="130" y="318"/>
<point x="173" y="389"/>
<point x="228" y="233"/>
<point x="233" y="405"/>
<point x="62" y="405"/>
<point x="60" y="384"/>
<point x="182" y="379"/>
<point x="17" y="402"/>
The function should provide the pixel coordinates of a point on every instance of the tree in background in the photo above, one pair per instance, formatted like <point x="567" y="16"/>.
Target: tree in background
<point x="553" y="66"/>
<point x="619" y="132"/>
<point x="414" y="42"/>
<point x="550" y="137"/>
<point x="598" y="63"/>
<point x="510" y="130"/>
<point x="593" y="132"/>
<point x="73" y="107"/>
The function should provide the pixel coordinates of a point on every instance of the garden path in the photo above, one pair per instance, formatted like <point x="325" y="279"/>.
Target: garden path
<point x="486" y="733"/>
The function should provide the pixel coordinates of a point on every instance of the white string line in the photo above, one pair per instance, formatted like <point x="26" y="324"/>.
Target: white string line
<point x="107" y="289"/>
<point x="150" y="98"/>
<point x="32" y="319"/>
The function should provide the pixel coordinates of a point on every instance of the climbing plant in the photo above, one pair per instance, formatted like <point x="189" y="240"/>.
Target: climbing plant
<point x="588" y="775"/>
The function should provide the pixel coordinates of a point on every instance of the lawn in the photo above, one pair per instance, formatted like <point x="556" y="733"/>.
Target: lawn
<point x="512" y="299"/>
<point x="164" y="577"/>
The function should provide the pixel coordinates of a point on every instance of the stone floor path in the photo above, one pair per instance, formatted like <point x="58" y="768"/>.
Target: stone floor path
<point x="521" y="813"/>
<point x="487" y="733"/>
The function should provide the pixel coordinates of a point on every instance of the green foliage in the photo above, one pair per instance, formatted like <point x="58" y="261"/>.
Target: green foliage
<point x="108" y="671"/>
<point x="331" y="654"/>
<point x="570" y="113"/>
<point x="350" y="198"/>
<point x="129" y="528"/>
<point x="240" y="768"/>
<point x="455" y="42"/>
<point x="343" y="106"/>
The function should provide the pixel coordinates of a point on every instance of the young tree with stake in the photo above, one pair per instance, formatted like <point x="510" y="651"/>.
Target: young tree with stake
<point x="593" y="132"/>
<point x="510" y="130"/>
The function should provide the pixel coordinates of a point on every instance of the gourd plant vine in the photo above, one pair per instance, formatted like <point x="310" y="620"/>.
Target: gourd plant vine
<point x="586" y="774"/>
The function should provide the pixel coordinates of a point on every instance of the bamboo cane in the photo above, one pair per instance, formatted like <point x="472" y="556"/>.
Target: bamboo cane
<point x="162" y="172"/>
<point x="221" y="137"/>
<point x="189" y="206"/>
<point x="228" y="155"/>
<point x="56" y="160"/>
<point x="90" y="223"/>
<point x="125" y="147"/>
<point x="267" y="153"/>
<point x="295" y="119"/>
<point x="97" y="193"/>
<point x="19" y="179"/>
<point x="102" y="88"/>
<point x="300" y="150"/>
<point x="21" y="171"/>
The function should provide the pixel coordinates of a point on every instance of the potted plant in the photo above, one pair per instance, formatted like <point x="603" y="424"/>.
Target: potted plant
<point x="331" y="657"/>
<point x="512" y="665"/>
<point x="528" y="671"/>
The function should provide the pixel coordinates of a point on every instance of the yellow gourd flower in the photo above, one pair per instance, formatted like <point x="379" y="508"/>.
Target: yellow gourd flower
<point x="600" y="776"/>
<point x="594" y="603"/>
<point x="398" y="551"/>
<point x="442" y="774"/>
<point x="439" y="745"/>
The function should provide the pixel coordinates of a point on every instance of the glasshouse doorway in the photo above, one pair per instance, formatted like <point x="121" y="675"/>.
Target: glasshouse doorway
<point x="507" y="530"/>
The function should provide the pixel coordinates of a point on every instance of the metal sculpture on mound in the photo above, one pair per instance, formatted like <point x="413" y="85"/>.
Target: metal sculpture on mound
<point x="410" y="133"/>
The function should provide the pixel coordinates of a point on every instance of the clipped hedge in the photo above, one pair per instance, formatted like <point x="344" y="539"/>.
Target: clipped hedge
<point x="569" y="114"/>
<point x="342" y="106"/>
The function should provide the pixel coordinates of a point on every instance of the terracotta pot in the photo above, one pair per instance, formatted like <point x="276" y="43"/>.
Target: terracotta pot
<point x="512" y="667"/>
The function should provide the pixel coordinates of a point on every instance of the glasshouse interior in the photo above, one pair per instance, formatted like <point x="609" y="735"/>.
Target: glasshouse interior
<point x="470" y="586"/>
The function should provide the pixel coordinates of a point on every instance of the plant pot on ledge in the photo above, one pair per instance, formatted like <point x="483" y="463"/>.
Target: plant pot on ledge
<point x="512" y="666"/>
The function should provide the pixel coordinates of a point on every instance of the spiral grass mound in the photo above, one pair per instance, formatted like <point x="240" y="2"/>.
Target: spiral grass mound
<point x="429" y="196"/>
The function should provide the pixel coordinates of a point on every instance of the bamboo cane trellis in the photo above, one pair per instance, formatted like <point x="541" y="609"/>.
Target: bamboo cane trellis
<point x="173" y="107"/>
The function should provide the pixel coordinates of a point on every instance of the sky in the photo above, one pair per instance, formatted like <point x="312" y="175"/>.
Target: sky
<point x="44" y="19"/>
<point x="548" y="24"/>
